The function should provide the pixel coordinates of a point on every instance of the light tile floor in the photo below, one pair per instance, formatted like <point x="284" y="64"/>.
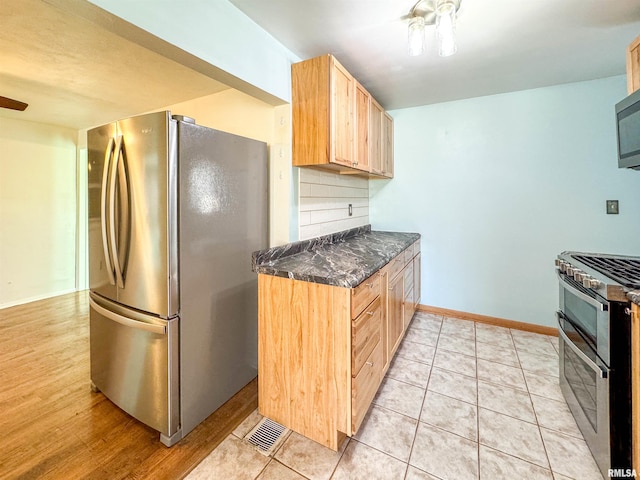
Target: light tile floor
<point x="461" y="400"/>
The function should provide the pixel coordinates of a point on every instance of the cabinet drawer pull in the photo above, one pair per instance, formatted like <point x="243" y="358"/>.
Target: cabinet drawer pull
<point x="370" y="285"/>
<point x="370" y="313"/>
<point x="369" y="363"/>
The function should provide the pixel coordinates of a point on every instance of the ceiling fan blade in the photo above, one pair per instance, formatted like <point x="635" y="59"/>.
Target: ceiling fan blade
<point x="12" y="104"/>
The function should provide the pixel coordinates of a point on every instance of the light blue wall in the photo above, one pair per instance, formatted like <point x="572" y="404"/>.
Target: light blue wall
<point x="499" y="185"/>
<point x="217" y="32"/>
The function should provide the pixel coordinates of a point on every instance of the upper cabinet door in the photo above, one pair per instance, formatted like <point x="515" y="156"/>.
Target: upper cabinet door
<point x="387" y="145"/>
<point x="633" y="66"/>
<point x="375" y="137"/>
<point x="363" y="102"/>
<point x="342" y="107"/>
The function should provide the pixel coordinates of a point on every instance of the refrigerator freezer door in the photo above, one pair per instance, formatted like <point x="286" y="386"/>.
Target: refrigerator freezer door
<point x="223" y="219"/>
<point x="101" y="145"/>
<point x="146" y="212"/>
<point x="134" y="362"/>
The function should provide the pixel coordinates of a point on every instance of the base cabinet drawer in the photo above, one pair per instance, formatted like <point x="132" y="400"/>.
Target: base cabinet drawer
<point x="363" y="294"/>
<point x="396" y="265"/>
<point x="365" y="335"/>
<point x="365" y="385"/>
<point x="416" y="248"/>
<point x="408" y="255"/>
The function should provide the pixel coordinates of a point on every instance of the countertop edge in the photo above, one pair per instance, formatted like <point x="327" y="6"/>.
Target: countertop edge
<point x="288" y="249"/>
<point x="338" y="266"/>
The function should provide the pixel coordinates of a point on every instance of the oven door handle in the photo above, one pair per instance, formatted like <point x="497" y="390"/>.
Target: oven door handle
<point x="600" y="306"/>
<point x="602" y="372"/>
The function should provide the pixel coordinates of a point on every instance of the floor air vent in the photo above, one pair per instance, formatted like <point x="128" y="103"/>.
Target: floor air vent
<point x="266" y="436"/>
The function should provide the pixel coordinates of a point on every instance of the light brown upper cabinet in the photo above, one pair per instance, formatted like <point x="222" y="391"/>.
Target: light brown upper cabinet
<point x="337" y="124"/>
<point x="633" y="66"/>
<point x="363" y="104"/>
<point x="376" y="112"/>
<point x="387" y="145"/>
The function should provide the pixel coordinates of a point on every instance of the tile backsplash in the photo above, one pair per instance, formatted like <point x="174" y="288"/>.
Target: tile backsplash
<point x="325" y="199"/>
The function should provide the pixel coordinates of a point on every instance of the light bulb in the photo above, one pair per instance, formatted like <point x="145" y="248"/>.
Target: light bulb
<point x="445" y="28"/>
<point x="416" y="36"/>
<point x="447" y="45"/>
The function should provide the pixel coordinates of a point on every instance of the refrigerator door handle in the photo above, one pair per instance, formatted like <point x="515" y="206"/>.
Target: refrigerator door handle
<point x="108" y="156"/>
<point x="112" y="213"/>
<point x="123" y="175"/>
<point x="128" y="322"/>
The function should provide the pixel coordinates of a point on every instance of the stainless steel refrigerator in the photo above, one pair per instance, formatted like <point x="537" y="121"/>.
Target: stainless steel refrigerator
<point x="175" y="211"/>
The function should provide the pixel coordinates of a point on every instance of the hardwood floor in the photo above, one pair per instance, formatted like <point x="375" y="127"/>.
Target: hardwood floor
<point x="54" y="427"/>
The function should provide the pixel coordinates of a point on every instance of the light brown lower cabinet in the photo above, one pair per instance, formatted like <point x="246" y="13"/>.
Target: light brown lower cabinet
<point x="635" y="385"/>
<point x="395" y="314"/>
<point x="416" y="279"/>
<point x="323" y="350"/>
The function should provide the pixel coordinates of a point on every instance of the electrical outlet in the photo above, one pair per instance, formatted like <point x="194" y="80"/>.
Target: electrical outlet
<point x="350" y="210"/>
<point x="612" y="207"/>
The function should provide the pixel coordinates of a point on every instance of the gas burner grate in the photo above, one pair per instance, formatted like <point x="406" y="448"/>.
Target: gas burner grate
<point x="623" y="270"/>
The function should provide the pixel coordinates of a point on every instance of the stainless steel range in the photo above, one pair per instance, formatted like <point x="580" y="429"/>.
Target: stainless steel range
<point x="595" y="350"/>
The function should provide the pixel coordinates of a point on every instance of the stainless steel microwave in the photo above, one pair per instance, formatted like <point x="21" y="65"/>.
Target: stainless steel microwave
<point x="628" y="131"/>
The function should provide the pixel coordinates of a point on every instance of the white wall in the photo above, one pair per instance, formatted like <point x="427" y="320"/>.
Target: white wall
<point x="37" y="211"/>
<point x="499" y="185"/>
<point x="324" y="202"/>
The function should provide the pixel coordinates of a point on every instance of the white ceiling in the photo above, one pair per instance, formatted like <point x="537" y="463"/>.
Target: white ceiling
<point x="74" y="73"/>
<point x="503" y="45"/>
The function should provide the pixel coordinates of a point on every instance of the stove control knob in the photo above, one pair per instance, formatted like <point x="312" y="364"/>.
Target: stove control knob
<point x="559" y="262"/>
<point x="579" y="275"/>
<point x="568" y="269"/>
<point x="593" y="283"/>
<point x="590" y="282"/>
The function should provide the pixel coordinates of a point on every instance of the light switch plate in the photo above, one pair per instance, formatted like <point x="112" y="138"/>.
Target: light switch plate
<point x="612" y="207"/>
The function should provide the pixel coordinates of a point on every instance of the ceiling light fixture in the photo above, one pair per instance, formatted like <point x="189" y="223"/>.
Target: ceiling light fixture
<point x="442" y="14"/>
<point x="416" y="36"/>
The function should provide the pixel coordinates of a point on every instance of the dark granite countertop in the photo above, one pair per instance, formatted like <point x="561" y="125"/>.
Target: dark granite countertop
<point x="343" y="259"/>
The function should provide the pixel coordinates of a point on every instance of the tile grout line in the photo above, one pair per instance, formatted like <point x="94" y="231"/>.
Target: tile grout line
<point x="333" y="472"/>
<point x="544" y="447"/>
<point x="426" y="389"/>
<point x="263" y="468"/>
